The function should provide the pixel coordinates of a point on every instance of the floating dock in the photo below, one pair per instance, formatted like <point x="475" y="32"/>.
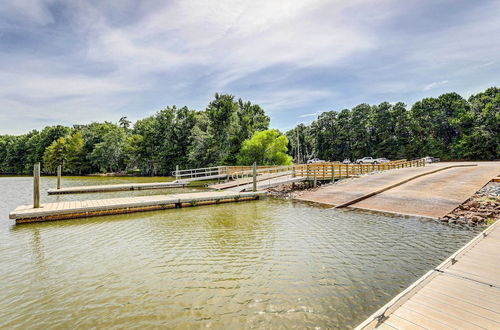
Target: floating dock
<point x="116" y="187"/>
<point x="461" y="293"/>
<point x="100" y="207"/>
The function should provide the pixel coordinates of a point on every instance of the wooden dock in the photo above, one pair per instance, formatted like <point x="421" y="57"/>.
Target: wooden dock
<point x="461" y="293"/>
<point x="116" y="187"/>
<point x="100" y="207"/>
<point x="269" y="183"/>
<point x="245" y="181"/>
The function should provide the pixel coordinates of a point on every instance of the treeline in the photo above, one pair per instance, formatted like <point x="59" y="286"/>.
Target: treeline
<point x="448" y="127"/>
<point x="152" y="146"/>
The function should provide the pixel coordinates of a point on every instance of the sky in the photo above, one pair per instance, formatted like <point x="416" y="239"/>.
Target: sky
<point x="79" y="61"/>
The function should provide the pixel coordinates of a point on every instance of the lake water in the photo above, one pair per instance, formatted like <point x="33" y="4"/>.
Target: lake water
<point x="267" y="263"/>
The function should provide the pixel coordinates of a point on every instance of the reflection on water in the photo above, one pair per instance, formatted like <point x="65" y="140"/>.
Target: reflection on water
<point x="266" y="263"/>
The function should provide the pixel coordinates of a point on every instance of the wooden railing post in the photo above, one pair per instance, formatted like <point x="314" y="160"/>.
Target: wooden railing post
<point x="333" y="173"/>
<point x="254" y="188"/>
<point x="293" y="171"/>
<point x="315" y="179"/>
<point x="36" y="185"/>
<point x="176" y="172"/>
<point x="59" y="173"/>
<point x="347" y="170"/>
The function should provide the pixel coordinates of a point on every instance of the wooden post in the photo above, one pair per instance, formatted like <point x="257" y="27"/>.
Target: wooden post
<point x="36" y="185"/>
<point x="315" y="182"/>
<point x="293" y="171"/>
<point x="254" y="188"/>
<point x="324" y="171"/>
<point x="59" y="172"/>
<point x="176" y="172"/>
<point x="347" y="170"/>
<point x="333" y="173"/>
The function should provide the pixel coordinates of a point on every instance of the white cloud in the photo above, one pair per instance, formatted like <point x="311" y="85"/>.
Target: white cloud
<point x="282" y="55"/>
<point x="435" y="84"/>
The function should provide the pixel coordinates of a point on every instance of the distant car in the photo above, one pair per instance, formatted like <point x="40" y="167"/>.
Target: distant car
<point x="346" y="161"/>
<point x="381" y="160"/>
<point x="315" y="160"/>
<point x="429" y="160"/>
<point x="365" y="160"/>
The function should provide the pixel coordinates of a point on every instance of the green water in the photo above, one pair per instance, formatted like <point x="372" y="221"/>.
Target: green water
<point x="262" y="264"/>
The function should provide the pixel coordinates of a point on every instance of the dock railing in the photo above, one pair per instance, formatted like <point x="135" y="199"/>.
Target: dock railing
<point x="199" y="172"/>
<point x="332" y="171"/>
<point x="315" y="171"/>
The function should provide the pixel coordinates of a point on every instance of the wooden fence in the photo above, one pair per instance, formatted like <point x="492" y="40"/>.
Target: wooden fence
<point x="321" y="171"/>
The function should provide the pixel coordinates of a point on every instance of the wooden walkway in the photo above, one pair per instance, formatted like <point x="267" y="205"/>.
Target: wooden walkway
<point x="245" y="181"/>
<point x="269" y="183"/>
<point x="79" y="209"/>
<point x="461" y="293"/>
<point x="116" y="187"/>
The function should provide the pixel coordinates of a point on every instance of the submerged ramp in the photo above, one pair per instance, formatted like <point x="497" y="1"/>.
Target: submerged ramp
<point x="89" y="208"/>
<point x="116" y="187"/>
<point x="433" y="195"/>
<point x="461" y="293"/>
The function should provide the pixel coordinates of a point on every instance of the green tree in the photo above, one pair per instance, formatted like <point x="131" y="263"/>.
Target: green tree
<point x="266" y="148"/>
<point x="68" y="151"/>
<point x="108" y="155"/>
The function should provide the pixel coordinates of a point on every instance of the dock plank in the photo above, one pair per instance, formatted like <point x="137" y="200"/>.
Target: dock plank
<point x="116" y="187"/>
<point x="462" y="293"/>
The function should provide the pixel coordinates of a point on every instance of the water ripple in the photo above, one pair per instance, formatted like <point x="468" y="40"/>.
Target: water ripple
<point x="271" y="264"/>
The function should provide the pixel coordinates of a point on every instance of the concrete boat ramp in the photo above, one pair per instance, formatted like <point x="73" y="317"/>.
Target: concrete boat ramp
<point x="429" y="192"/>
<point x="89" y="208"/>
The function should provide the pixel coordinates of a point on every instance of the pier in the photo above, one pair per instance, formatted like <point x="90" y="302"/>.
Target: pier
<point x="116" y="187"/>
<point x="90" y="208"/>
<point x="463" y="292"/>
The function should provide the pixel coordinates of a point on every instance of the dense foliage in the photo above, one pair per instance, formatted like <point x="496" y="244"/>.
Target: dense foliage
<point x="152" y="146"/>
<point x="232" y="131"/>
<point x="448" y="127"/>
<point x="265" y="148"/>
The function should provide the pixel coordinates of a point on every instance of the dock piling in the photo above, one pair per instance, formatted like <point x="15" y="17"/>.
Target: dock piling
<point x="36" y="185"/>
<point x="59" y="173"/>
<point x="254" y="187"/>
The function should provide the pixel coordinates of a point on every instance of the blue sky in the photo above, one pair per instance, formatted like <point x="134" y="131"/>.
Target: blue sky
<point x="74" y="62"/>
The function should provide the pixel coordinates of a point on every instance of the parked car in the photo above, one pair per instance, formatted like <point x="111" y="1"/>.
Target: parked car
<point x="365" y="160"/>
<point x="381" y="160"/>
<point x="429" y="160"/>
<point x="315" y="160"/>
<point x="346" y="161"/>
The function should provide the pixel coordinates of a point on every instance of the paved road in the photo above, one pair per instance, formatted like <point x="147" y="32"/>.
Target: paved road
<point x="433" y="195"/>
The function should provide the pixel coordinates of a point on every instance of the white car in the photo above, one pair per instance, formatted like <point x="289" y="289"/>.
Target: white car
<point x="365" y="160"/>
<point x="315" y="160"/>
<point x="381" y="160"/>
